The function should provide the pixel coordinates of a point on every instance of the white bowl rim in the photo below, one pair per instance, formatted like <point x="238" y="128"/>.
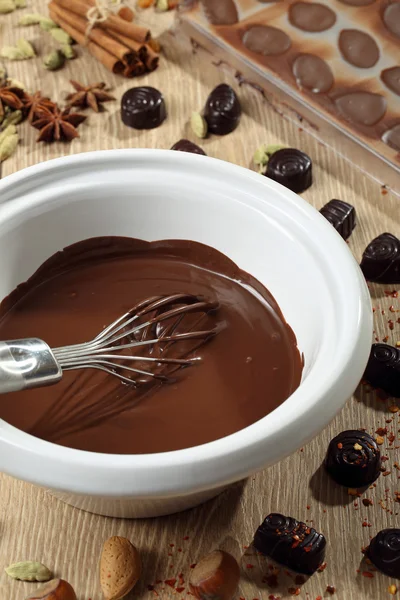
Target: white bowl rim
<point x="224" y="460"/>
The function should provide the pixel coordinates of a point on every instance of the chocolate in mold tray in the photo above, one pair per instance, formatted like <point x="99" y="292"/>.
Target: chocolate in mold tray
<point x="336" y="63"/>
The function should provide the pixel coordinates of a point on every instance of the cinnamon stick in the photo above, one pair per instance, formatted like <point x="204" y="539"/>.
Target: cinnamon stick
<point x="113" y="22"/>
<point x="108" y="60"/>
<point x="135" y="70"/>
<point x="152" y="59"/>
<point x="98" y="36"/>
<point x="140" y="49"/>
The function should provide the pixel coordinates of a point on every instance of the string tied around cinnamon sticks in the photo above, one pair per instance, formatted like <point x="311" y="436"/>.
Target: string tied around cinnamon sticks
<point x="100" y="12"/>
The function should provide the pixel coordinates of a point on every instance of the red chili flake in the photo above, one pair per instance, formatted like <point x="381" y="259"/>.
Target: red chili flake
<point x="392" y="308"/>
<point x="186" y="538"/>
<point x="318" y="598"/>
<point x="384" y="192"/>
<point x="383" y="312"/>
<point x="249" y="566"/>
<point x="381" y="431"/>
<point x="179" y="549"/>
<point x="391" y="324"/>
<point x="385" y="339"/>
<point x="270" y="597"/>
<point x="391" y="438"/>
<point x="170" y="582"/>
<point x="193" y="565"/>
<point x="367" y="502"/>
<point x="171" y="545"/>
<point x="294" y="591"/>
<point x="367" y="574"/>
<point x="271" y="580"/>
<point x="392" y="293"/>
<point x="386" y="473"/>
<point x="384" y="458"/>
<point x="180" y="590"/>
<point x="322" y="567"/>
<point x="340" y="445"/>
<point x="308" y="507"/>
<point x="330" y="589"/>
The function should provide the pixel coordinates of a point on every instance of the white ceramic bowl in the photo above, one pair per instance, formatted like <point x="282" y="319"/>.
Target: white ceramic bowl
<point x="267" y="230"/>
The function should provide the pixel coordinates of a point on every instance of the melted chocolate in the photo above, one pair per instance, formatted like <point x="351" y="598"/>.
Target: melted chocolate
<point x="246" y="371"/>
<point x="391" y="78"/>
<point x="311" y="16"/>
<point x="383" y="369"/>
<point x="363" y="108"/>
<point x="266" y="40"/>
<point x="353" y="459"/>
<point x="384" y="552"/>
<point x="221" y="12"/>
<point x="391" y="18"/>
<point x="291" y="543"/>
<point x="313" y="73"/>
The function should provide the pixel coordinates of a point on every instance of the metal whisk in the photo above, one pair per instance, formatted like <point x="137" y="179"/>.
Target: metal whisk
<point x="151" y="327"/>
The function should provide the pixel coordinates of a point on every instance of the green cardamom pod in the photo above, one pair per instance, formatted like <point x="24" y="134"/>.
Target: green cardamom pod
<point x="15" y="83"/>
<point x="8" y="146"/>
<point x="6" y="6"/>
<point x="12" y="53"/>
<point x="162" y="5"/>
<point x="68" y="51"/>
<point x="61" y="36"/>
<point x="20" y="3"/>
<point x="13" y="118"/>
<point x="271" y="149"/>
<point x="199" y="125"/>
<point x="47" y="24"/>
<point x="10" y="130"/>
<point x="55" y="60"/>
<point x="26" y="48"/>
<point x="29" y="571"/>
<point x="30" y="19"/>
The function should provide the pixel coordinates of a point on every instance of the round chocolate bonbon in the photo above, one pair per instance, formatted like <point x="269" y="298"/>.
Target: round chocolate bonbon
<point x="381" y="259"/>
<point x="143" y="108"/>
<point x="292" y="168"/>
<point x="222" y="110"/>
<point x="383" y="368"/>
<point x="353" y="459"/>
<point x="184" y="145"/>
<point x="384" y="552"/>
<point x="291" y="543"/>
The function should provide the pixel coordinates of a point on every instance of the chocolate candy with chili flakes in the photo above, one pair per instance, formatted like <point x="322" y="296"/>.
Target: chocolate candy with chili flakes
<point x="381" y="259"/>
<point x="222" y="110"/>
<point x="383" y="369"/>
<point x="143" y="107"/>
<point x="292" y="168"/>
<point x="384" y="552"/>
<point x="291" y="543"/>
<point x="353" y="459"/>
<point x="188" y="146"/>
<point x="341" y="215"/>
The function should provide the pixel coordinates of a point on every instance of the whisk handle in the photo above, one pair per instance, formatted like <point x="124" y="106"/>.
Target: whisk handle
<point x="27" y="364"/>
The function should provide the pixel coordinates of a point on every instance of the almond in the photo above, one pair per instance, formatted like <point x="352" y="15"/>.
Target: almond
<point x="120" y="568"/>
<point x="56" y="589"/>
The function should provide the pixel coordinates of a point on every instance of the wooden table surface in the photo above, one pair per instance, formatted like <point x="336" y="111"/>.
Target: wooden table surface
<point x="35" y="526"/>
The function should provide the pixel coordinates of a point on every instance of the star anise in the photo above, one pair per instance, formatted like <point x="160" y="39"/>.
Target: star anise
<point x="89" y="96"/>
<point x="12" y="97"/>
<point x="37" y="103"/>
<point x="57" y="125"/>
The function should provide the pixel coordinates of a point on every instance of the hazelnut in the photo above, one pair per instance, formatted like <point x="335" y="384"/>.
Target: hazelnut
<point x="56" y="589"/>
<point x="216" y="576"/>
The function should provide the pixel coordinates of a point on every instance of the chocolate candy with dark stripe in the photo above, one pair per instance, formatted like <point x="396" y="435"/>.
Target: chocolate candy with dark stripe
<point x="143" y="107"/>
<point x="291" y="543"/>
<point x="381" y="259"/>
<point x="383" y="369"/>
<point x="292" y="168"/>
<point x="384" y="552"/>
<point x="341" y="215"/>
<point x="188" y="146"/>
<point x="222" y="110"/>
<point x="353" y="459"/>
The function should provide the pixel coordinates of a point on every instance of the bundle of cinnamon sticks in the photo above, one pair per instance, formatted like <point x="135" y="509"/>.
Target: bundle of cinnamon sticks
<point x="119" y="44"/>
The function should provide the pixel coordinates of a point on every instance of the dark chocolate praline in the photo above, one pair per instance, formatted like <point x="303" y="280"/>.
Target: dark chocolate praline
<point x="341" y="215"/>
<point x="143" y="107"/>
<point x="184" y="145"/>
<point x="384" y="552"/>
<point x="292" y="168"/>
<point x="383" y="369"/>
<point x="381" y="259"/>
<point x="353" y="459"/>
<point x="222" y="110"/>
<point x="291" y="543"/>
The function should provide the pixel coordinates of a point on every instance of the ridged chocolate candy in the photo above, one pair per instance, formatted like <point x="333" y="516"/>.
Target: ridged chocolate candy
<point x="383" y="369"/>
<point x="353" y="459"/>
<point x="291" y="543"/>
<point x="143" y="108"/>
<point x="292" y="168"/>
<point x="384" y="552"/>
<point x="188" y="146"/>
<point x="341" y="215"/>
<point x="222" y="110"/>
<point x="381" y="259"/>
